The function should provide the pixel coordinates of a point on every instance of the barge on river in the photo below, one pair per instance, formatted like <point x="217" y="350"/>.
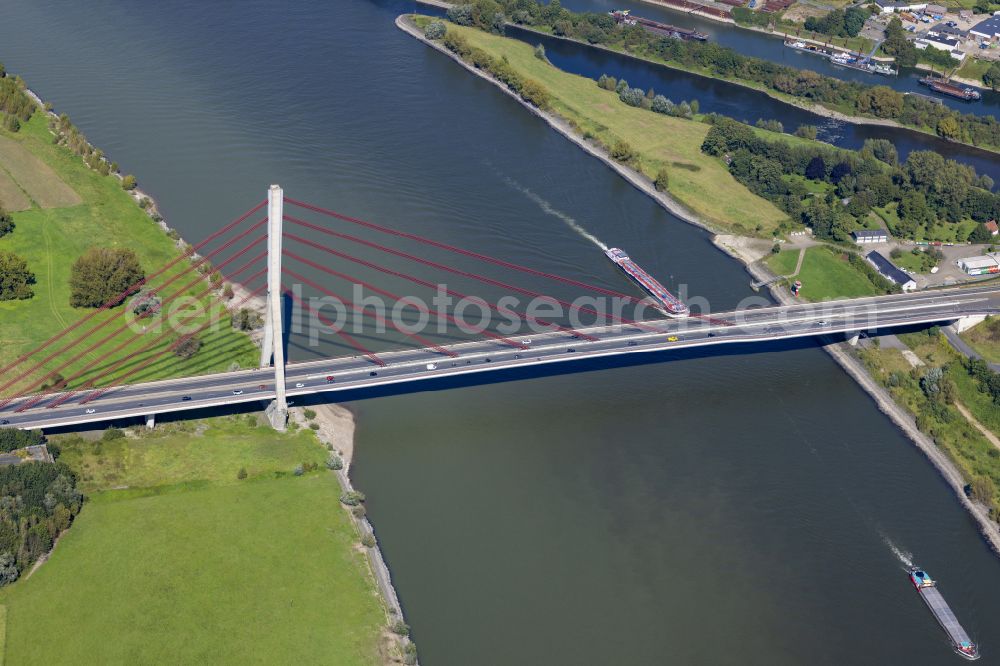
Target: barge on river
<point x="624" y="17"/>
<point x="946" y="87"/>
<point x="927" y="588"/>
<point x="665" y="302"/>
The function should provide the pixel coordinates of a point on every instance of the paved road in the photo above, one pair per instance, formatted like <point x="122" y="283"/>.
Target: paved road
<point x="480" y="357"/>
<point x="963" y="347"/>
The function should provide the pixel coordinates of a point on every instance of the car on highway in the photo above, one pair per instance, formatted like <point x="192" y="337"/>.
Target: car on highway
<point x="4" y="421"/>
<point x="261" y="387"/>
<point x="238" y="392"/>
<point x="91" y="411"/>
<point x="431" y="366"/>
<point x="329" y="379"/>
<point x="673" y="338"/>
<point x="185" y="398"/>
<point x="299" y="385"/>
<point x="373" y="374"/>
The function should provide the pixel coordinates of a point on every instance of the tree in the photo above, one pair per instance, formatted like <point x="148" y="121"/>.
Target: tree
<point x="6" y="223"/>
<point x="247" y="320"/>
<point x="662" y="180"/>
<point x="128" y="182"/>
<point x="103" y="275"/>
<point x="949" y="129"/>
<point x="882" y="150"/>
<point x="435" y="30"/>
<point x="816" y="169"/>
<point x="15" y="278"/>
<point x="980" y="234"/>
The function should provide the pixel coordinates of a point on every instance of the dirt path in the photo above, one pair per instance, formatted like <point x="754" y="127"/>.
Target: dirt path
<point x="987" y="433"/>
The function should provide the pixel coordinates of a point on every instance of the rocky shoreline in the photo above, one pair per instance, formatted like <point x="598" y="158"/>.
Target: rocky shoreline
<point x="739" y="248"/>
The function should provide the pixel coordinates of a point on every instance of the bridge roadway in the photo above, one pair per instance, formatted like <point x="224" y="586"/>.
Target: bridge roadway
<point x="358" y="372"/>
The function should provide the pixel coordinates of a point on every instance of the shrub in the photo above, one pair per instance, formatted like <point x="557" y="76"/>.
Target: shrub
<point x="540" y="53"/>
<point x="227" y="292"/>
<point x="621" y="86"/>
<point x="662" y="180"/>
<point x="187" y="347"/>
<point x="299" y="470"/>
<point x="632" y="96"/>
<point x="11" y="123"/>
<point x="400" y="628"/>
<point x="435" y="30"/>
<point x="334" y="463"/>
<point x="309" y="414"/>
<point x="128" y="182"/>
<point x="242" y="474"/>
<point x="102" y="275"/>
<point x="112" y="434"/>
<point x="247" y="320"/>
<point x="662" y="105"/>
<point x="368" y="540"/>
<point x="622" y="151"/>
<point x="776" y="248"/>
<point x="358" y="511"/>
<point x="352" y="498"/>
<point x="607" y="82"/>
<point x="314" y="426"/>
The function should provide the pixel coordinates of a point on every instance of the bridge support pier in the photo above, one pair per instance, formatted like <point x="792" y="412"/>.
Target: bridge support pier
<point x="272" y="348"/>
<point x="963" y="324"/>
<point x="150" y="421"/>
<point x="852" y="338"/>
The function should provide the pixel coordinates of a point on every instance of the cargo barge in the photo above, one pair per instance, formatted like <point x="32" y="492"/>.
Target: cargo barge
<point x="945" y="87"/>
<point x="624" y="17"/>
<point x="927" y="588"/>
<point x="666" y="302"/>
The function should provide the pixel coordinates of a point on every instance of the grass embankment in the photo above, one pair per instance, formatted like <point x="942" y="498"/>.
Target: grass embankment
<point x="985" y="339"/>
<point x="825" y="274"/>
<point x="965" y="445"/>
<point x="938" y="230"/>
<point x="699" y="182"/>
<point x="192" y="565"/>
<point x="71" y="208"/>
<point x="212" y="450"/>
<point x="973" y="69"/>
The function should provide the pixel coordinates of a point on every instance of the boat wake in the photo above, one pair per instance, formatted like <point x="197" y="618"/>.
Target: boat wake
<point x="905" y="558"/>
<point x="549" y="209"/>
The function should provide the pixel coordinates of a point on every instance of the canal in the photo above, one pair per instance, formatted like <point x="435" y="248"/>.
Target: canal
<point x="747" y="507"/>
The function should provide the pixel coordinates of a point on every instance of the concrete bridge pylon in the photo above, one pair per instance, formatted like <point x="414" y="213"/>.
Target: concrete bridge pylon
<point x="272" y="349"/>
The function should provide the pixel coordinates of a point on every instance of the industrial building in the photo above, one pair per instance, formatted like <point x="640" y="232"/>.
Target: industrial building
<point x="888" y="6"/>
<point x="988" y="29"/>
<point x="987" y="264"/>
<point x="890" y="271"/>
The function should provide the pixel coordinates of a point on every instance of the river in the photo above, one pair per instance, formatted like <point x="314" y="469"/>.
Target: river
<point x="747" y="507"/>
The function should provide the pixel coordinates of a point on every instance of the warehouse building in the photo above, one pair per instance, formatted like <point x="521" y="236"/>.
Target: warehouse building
<point x="987" y="264"/>
<point x="890" y="271"/>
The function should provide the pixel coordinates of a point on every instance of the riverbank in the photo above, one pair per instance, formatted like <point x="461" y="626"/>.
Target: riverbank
<point x="800" y="102"/>
<point x="74" y="199"/>
<point x="741" y="249"/>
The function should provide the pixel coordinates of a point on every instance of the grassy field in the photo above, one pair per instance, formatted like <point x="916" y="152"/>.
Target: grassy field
<point x="973" y="68"/>
<point x="191" y="565"/>
<point x="985" y="339"/>
<point x="213" y="450"/>
<point x="51" y="238"/>
<point x="264" y="571"/>
<point x="699" y="182"/>
<point x="824" y="274"/>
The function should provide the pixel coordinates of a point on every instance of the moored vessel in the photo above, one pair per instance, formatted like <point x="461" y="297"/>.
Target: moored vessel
<point x="666" y="302"/>
<point x="927" y="588"/>
<point x="945" y="87"/>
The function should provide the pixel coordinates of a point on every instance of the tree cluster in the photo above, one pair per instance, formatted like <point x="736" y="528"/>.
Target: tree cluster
<point x="37" y="502"/>
<point x="104" y="275"/>
<point x="853" y="97"/>
<point x="6" y="223"/>
<point x="648" y="100"/>
<point x="14" y="102"/>
<point x="527" y="89"/>
<point x="926" y="187"/>
<point x="12" y="438"/>
<point x="839" y="22"/>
